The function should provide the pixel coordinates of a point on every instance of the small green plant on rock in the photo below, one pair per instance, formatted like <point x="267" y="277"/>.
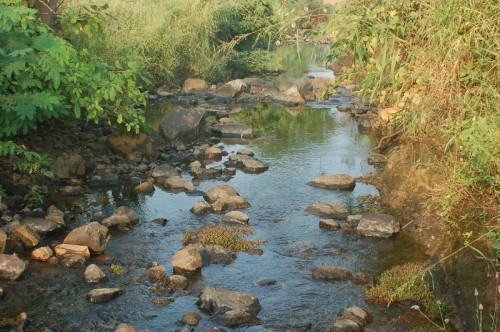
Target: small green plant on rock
<point x="34" y="196"/>
<point x="229" y="237"/>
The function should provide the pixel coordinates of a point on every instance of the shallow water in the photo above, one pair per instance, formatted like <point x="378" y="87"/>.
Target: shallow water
<point x="317" y="141"/>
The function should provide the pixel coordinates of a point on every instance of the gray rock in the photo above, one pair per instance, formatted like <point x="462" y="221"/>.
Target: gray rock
<point x="11" y="267"/>
<point x="183" y="126"/>
<point x="187" y="259"/>
<point x="353" y="220"/>
<point x="227" y="305"/>
<point x="267" y="282"/>
<point x="345" y="325"/>
<point x="70" y="191"/>
<point x="122" y="218"/>
<point x="215" y="254"/>
<point x="176" y="183"/>
<point x="236" y="217"/>
<point x="72" y="261"/>
<point x="331" y="210"/>
<point x="354" y="313"/>
<point x="41" y="225"/>
<point x="93" y="274"/>
<point x="164" y="171"/>
<point x="335" y="181"/>
<point x="145" y="188"/>
<point x="229" y="203"/>
<point x="68" y="165"/>
<point x="335" y="273"/>
<point x="245" y="152"/>
<point x="55" y="215"/>
<point x="201" y="208"/>
<point x="219" y="191"/>
<point x="378" y="225"/>
<point x="178" y="281"/>
<point x="247" y="164"/>
<point x="329" y="224"/>
<point x="160" y="221"/>
<point x="94" y="235"/>
<point x="155" y="273"/>
<point x="234" y="130"/>
<point x="231" y="89"/>
<point x="26" y="235"/>
<point x="191" y="318"/>
<point x="104" y="179"/>
<point x="103" y="294"/>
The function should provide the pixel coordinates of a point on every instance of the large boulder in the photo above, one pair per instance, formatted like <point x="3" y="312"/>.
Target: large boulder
<point x="378" y="225"/>
<point x="11" y="267"/>
<point x="68" y="165"/>
<point x="232" y="308"/>
<point x="335" y="273"/>
<point x="122" y="218"/>
<point x="231" y="89"/>
<point x="335" y="181"/>
<point x="183" y="126"/>
<point x="194" y="85"/>
<point x="328" y="210"/>
<point x="188" y="259"/>
<point x="94" y="235"/>
<point x="129" y="143"/>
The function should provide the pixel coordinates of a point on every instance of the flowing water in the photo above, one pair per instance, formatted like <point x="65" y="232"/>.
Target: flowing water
<point x="298" y="148"/>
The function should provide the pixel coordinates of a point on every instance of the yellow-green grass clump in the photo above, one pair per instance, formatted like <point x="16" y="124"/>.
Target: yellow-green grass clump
<point x="230" y="237"/>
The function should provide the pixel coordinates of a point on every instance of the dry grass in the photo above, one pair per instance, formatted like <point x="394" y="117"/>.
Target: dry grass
<point x="230" y="237"/>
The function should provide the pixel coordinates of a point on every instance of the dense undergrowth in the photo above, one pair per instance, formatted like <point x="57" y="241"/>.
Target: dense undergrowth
<point x="436" y="62"/>
<point x="435" y="65"/>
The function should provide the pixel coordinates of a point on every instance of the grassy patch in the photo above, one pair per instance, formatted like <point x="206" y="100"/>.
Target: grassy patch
<point x="230" y="237"/>
<point x="404" y="283"/>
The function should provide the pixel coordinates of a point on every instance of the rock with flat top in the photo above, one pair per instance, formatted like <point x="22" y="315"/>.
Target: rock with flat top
<point x="122" y="218"/>
<point x="194" y="85"/>
<point x="229" y="203"/>
<point x="94" y="235"/>
<point x="335" y="273"/>
<point x="183" y="126"/>
<point x="332" y="210"/>
<point x="216" y="192"/>
<point x="330" y="224"/>
<point x="231" y="89"/>
<point x="42" y="254"/>
<point x="164" y="171"/>
<point x="103" y="294"/>
<point x="335" y="181"/>
<point x="27" y="236"/>
<point x="41" y="225"/>
<point x="378" y="225"/>
<point x="177" y="183"/>
<point x="73" y="249"/>
<point x="236" y="217"/>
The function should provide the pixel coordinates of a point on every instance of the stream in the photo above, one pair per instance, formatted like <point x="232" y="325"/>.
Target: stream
<point x="298" y="147"/>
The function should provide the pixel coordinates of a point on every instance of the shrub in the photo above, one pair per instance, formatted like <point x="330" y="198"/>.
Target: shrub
<point x="43" y="76"/>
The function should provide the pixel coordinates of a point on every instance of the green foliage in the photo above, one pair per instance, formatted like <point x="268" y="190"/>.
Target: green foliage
<point x="43" y="76"/>
<point x="33" y="196"/>
<point x="404" y="283"/>
<point x="229" y="237"/>
<point x="22" y="160"/>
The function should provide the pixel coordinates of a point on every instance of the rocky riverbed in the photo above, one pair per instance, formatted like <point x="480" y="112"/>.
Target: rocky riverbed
<point x="105" y="250"/>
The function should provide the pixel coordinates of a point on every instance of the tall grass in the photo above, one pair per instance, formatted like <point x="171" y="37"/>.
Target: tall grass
<point x="439" y="60"/>
<point x="171" y="39"/>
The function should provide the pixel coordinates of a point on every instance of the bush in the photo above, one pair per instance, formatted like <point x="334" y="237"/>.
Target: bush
<point x="44" y="77"/>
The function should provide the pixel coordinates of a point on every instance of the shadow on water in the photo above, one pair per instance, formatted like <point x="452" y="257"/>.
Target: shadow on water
<point x="316" y="141"/>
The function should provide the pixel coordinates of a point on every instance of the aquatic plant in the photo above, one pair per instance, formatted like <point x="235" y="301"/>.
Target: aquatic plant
<point x="230" y="237"/>
<point x="116" y="269"/>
